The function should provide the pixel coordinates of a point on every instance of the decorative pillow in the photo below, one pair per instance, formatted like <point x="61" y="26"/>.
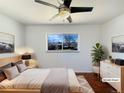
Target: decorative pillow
<point x="21" y="67"/>
<point x="2" y="74"/>
<point x="11" y="72"/>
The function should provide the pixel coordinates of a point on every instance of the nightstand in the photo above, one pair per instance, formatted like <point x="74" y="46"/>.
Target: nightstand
<point x="31" y="63"/>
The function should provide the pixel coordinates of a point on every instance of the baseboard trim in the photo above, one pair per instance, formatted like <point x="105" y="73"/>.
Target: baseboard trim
<point x="80" y="73"/>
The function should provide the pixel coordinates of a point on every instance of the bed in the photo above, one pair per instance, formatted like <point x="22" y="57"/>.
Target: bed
<point x="31" y="81"/>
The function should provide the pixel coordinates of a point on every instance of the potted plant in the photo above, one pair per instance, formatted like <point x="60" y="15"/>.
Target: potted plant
<point x="97" y="55"/>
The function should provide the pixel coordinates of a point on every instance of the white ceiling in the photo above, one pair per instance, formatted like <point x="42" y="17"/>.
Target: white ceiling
<point x="29" y="12"/>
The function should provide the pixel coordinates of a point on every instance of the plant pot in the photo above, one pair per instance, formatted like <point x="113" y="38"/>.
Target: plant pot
<point x="96" y="69"/>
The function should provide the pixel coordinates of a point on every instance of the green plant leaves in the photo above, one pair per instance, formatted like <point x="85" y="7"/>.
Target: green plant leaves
<point x="97" y="53"/>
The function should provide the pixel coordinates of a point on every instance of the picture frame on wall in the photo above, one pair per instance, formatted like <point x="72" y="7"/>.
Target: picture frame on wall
<point x="118" y="44"/>
<point x="6" y="43"/>
<point x="63" y="42"/>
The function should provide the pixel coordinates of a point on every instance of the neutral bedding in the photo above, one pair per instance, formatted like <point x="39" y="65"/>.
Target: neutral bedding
<point x="34" y="78"/>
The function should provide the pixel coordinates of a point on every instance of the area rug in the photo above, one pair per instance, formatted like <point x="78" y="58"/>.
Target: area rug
<point x="85" y="87"/>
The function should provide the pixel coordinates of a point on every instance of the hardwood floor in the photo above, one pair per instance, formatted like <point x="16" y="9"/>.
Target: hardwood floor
<point x="97" y="85"/>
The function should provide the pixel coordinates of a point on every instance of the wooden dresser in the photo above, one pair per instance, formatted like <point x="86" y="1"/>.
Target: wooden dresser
<point x="110" y="70"/>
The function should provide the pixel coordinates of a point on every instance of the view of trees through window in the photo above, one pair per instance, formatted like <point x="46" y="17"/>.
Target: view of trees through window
<point x="63" y="42"/>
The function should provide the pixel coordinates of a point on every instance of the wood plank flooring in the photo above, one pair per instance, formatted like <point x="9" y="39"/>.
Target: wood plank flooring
<point x="97" y="85"/>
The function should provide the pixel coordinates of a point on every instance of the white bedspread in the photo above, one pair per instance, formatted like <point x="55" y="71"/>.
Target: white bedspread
<point x="34" y="78"/>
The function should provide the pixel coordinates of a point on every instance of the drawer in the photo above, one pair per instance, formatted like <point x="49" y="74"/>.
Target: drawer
<point x="103" y="64"/>
<point x="105" y="68"/>
<point x="105" y="75"/>
<point x="112" y="74"/>
<point x="116" y="69"/>
<point x="115" y="75"/>
<point x="109" y="67"/>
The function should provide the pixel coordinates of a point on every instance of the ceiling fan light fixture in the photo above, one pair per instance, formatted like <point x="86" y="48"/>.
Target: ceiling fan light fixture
<point x="64" y="12"/>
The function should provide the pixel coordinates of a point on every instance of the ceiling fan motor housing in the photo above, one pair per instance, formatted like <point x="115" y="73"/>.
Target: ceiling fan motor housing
<point x="64" y="11"/>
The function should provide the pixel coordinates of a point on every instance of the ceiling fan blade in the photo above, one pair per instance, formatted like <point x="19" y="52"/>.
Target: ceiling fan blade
<point x="54" y="17"/>
<point x="81" y="9"/>
<point x="69" y="19"/>
<point x="67" y="3"/>
<point x="46" y="3"/>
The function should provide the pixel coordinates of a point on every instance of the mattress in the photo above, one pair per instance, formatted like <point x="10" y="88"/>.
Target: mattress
<point x="34" y="78"/>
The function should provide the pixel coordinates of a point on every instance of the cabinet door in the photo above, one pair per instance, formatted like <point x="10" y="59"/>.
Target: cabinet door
<point x="104" y="70"/>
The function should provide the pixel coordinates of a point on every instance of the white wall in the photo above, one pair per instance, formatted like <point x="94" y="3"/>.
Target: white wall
<point x="35" y="37"/>
<point x="8" y="25"/>
<point x="113" y="28"/>
<point x="89" y="35"/>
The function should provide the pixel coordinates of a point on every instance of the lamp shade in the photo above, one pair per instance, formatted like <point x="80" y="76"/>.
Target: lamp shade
<point x="26" y="57"/>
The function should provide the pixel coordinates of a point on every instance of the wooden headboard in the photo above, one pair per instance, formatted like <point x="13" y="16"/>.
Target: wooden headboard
<point x="4" y="61"/>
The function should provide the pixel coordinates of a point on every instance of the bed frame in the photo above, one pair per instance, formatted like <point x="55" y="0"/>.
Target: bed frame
<point x="23" y="91"/>
<point x="4" y="61"/>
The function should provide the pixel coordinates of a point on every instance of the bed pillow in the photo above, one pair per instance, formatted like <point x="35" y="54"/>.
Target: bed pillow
<point x="11" y="72"/>
<point x="2" y="74"/>
<point x="21" y="67"/>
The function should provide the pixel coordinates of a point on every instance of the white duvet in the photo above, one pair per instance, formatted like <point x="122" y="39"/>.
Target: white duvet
<point x="34" y="78"/>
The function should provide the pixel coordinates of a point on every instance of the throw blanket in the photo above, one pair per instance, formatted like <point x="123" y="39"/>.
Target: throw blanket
<point x="56" y="82"/>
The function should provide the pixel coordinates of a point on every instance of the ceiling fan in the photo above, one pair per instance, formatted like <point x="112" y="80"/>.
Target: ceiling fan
<point x="64" y="10"/>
